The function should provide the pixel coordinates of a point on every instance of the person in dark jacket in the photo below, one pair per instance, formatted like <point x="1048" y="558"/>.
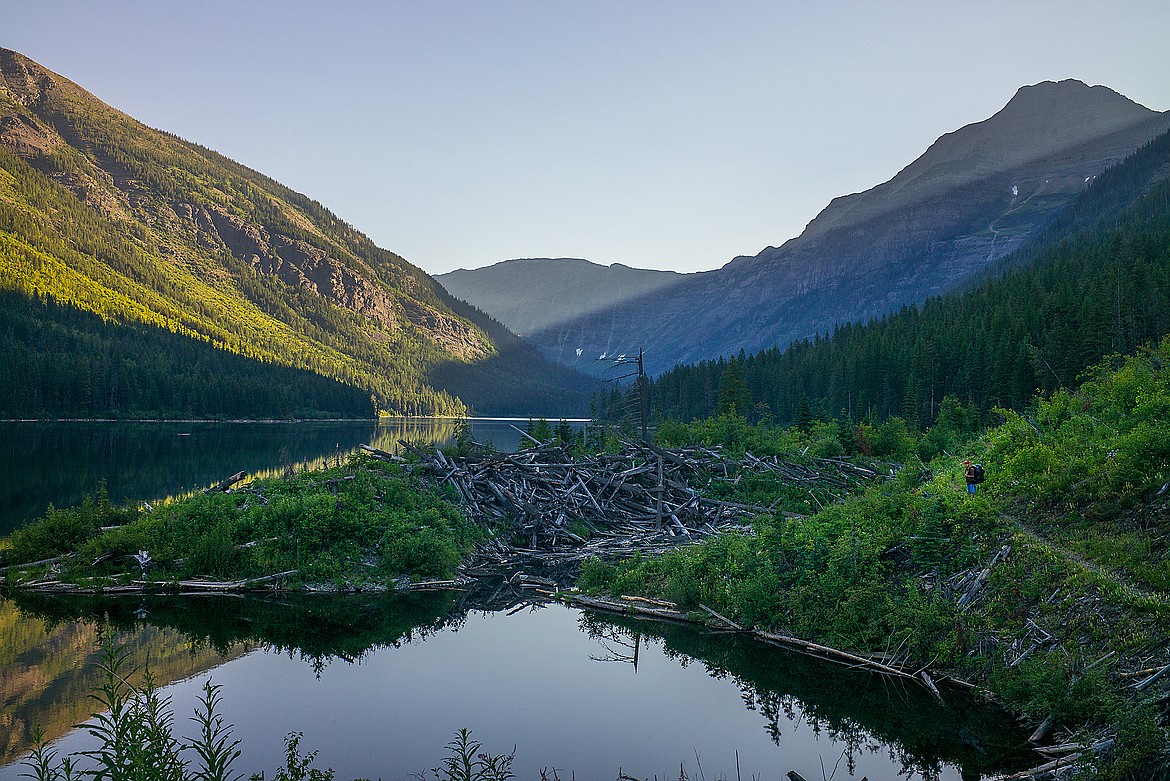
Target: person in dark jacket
<point x="972" y="480"/>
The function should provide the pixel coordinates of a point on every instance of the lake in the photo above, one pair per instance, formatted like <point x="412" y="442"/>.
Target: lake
<point x="64" y="462"/>
<point x="379" y="684"/>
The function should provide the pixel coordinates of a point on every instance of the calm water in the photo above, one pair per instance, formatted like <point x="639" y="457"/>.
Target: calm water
<point x="63" y="462"/>
<point x="379" y="684"/>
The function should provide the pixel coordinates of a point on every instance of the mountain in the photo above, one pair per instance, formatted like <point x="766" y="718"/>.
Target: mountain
<point x="974" y="196"/>
<point x="1095" y="283"/>
<point x="555" y="289"/>
<point x="146" y="230"/>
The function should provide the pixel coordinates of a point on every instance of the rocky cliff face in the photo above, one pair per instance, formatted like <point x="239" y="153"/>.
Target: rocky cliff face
<point x="974" y="196"/>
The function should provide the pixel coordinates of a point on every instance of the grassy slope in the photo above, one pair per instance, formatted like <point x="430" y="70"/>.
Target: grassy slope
<point x="1076" y="487"/>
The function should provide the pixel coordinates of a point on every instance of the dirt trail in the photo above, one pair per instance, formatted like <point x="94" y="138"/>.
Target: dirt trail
<point x="1133" y="589"/>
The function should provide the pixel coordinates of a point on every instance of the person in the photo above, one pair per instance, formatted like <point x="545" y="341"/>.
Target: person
<point x="969" y="473"/>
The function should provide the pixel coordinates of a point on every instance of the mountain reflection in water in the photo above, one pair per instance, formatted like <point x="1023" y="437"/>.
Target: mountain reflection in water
<point x="380" y="682"/>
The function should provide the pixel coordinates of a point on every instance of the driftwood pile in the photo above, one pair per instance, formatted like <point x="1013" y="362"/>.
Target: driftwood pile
<point x="558" y="508"/>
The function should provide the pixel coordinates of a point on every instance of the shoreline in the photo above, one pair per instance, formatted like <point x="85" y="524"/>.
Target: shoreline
<point x="487" y="418"/>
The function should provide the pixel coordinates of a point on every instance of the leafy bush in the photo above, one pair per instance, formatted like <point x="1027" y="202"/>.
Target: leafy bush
<point x="59" y="531"/>
<point x="342" y="525"/>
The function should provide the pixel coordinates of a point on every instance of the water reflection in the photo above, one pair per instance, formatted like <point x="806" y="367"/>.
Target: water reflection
<point x="859" y="712"/>
<point x="62" y="463"/>
<point x="526" y="678"/>
<point x="48" y="669"/>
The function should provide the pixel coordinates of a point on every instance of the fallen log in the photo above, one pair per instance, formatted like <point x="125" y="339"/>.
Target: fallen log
<point x="226" y="585"/>
<point x="1061" y="763"/>
<point x="1148" y="682"/>
<point x="382" y="454"/>
<point x="31" y="564"/>
<point x="925" y="676"/>
<point x="970" y="591"/>
<point x="225" y="484"/>
<point x="833" y="654"/>
<point x="619" y="607"/>
<point x="724" y="619"/>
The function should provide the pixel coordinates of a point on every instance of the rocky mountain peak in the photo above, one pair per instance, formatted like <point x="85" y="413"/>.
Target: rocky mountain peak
<point x="1045" y="122"/>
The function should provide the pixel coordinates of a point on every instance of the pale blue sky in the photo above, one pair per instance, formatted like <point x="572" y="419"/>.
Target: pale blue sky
<point x="656" y="134"/>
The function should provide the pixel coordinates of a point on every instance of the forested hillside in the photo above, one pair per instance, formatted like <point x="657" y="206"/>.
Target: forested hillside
<point x="144" y="229"/>
<point x="59" y="361"/>
<point x="1096" y="282"/>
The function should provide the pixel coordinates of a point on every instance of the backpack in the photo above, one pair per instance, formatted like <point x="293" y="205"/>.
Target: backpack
<point x="979" y="473"/>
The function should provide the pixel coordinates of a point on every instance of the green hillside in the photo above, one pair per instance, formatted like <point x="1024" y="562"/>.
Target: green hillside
<point x="142" y="228"/>
<point x="1048" y="587"/>
<point x="1096" y="282"/>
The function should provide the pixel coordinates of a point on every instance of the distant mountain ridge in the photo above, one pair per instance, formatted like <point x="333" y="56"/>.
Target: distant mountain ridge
<point x="1094" y="283"/>
<point x="554" y="289"/>
<point x="974" y="196"/>
<point x="134" y="224"/>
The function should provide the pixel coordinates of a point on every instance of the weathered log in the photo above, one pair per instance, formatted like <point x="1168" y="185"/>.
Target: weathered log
<point x="1061" y="763"/>
<point x="966" y="599"/>
<point x="831" y="653"/>
<point x="925" y="676"/>
<point x="1148" y="682"/>
<point x="31" y="564"/>
<point x="382" y="454"/>
<point x="1041" y="731"/>
<point x="722" y="618"/>
<point x="622" y="607"/>
<point x="225" y="484"/>
<point x="230" y="585"/>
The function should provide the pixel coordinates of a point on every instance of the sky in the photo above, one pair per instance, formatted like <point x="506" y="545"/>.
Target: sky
<point x="658" y="134"/>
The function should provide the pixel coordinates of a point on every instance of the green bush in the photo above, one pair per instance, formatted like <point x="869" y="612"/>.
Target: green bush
<point x="422" y="552"/>
<point x="59" y="531"/>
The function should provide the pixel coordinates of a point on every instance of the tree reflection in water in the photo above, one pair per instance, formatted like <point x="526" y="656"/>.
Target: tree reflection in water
<point x="859" y="711"/>
<point x="862" y="713"/>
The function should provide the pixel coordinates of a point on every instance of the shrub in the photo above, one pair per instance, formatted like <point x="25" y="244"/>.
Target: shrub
<point x="59" y="531"/>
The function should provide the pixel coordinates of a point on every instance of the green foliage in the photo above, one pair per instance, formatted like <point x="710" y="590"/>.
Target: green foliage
<point x="215" y="746"/>
<point x="134" y="726"/>
<point x="59" y="531"/>
<point x="58" y="361"/>
<point x="539" y="430"/>
<point x="135" y="730"/>
<point x="733" y="397"/>
<point x="466" y="762"/>
<point x="1106" y="437"/>
<point x="297" y="766"/>
<point x="889" y="439"/>
<point x="1141" y="744"/>
<point x="1050" y="686"/>
<point x="352" y="525"/>
<point x="423" y="552"/>
<point x="733" y="433"/>
<point x="1086" y="467"/>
